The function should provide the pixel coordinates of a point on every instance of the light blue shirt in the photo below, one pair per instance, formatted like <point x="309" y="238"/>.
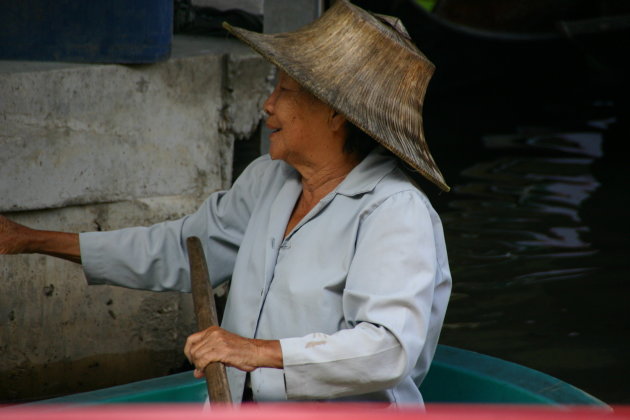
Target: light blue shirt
<point x="356" y="292"/>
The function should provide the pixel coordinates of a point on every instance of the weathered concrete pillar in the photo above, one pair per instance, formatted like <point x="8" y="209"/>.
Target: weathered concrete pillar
<point x="288" y="15"/>
<point x="99" y="147"/>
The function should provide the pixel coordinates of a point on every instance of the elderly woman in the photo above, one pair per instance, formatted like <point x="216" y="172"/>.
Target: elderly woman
<point x="338" y="267"/>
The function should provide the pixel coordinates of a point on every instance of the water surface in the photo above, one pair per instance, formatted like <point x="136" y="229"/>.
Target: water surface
<point x="537" y="230"/>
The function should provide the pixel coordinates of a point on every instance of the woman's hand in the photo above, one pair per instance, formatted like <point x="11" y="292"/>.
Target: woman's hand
<point x="218" y="345"/>
<point x="13" y="237"/>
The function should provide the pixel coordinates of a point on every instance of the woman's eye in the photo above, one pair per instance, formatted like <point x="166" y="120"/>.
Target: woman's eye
<point x="286" y="89"/>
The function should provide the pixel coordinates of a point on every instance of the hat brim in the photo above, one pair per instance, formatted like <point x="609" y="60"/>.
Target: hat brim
<point x="369" y="87"/>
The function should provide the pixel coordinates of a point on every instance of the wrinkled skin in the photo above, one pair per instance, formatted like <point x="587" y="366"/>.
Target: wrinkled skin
<point x="19" y="239"/>
<point x="218" y="345"/>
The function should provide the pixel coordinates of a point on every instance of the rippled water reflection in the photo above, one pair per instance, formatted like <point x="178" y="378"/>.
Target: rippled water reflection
<point x="539" y="246"/>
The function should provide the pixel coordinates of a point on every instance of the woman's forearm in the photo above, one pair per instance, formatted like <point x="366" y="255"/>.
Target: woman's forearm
<point x="58" y="244"/>
<point x="19" y="239"/>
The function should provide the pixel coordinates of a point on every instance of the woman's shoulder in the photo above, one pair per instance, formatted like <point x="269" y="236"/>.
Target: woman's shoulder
<point x="264" y="169"/>
<point x="396" y="190"/>
<point x="397" y="183"/>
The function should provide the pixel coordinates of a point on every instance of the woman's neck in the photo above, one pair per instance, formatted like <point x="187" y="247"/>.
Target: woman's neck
<point x="319" y="180"/>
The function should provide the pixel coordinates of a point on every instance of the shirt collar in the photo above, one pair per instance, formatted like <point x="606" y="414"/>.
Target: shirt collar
<point x="364" y="177"/>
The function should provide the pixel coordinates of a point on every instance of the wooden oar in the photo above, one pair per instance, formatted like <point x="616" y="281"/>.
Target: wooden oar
<point x="206" y="313"/>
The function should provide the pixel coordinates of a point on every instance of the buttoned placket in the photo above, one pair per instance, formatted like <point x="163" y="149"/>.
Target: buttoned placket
<point x="284" y="244"/>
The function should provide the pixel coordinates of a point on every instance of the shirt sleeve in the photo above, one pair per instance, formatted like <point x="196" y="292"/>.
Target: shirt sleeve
<point x="156" y="258"/>
<point x="386" y="302"/>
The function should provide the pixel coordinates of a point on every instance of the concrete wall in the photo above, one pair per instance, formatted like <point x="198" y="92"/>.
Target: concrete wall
<point x="99" y="147"/>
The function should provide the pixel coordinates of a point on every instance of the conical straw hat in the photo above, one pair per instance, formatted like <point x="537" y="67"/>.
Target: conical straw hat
<point x="364" y="66"/>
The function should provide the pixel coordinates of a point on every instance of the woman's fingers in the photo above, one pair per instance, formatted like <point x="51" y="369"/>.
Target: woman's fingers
<point x="218" y="345"/>
<point x="190" y="341"/>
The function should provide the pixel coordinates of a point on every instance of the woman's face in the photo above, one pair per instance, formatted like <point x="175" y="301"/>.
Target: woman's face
<point x="298" y="122"/>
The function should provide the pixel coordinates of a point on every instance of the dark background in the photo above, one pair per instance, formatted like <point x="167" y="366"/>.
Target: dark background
<point x="527" y="116"/>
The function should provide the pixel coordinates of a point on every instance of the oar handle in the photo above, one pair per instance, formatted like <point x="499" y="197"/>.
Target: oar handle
<point x="206" y="314"/>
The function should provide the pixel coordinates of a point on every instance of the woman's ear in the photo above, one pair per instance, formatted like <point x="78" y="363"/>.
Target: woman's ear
<point x="337" y="121"/>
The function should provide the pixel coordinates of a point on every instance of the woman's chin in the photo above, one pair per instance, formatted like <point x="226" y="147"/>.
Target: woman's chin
<point x="274" y="151"/>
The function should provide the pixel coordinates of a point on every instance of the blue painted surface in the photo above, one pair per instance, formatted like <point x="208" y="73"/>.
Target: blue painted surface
<point x="104" y="31"/>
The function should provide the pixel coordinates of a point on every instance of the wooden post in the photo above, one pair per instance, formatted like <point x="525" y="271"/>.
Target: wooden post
<point x="206" y="313"/>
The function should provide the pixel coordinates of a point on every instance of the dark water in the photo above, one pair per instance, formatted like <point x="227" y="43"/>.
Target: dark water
<point x="537" y="227"/>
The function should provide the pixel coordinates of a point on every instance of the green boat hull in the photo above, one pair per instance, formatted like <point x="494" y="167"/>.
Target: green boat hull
<point x="456" y="376"/>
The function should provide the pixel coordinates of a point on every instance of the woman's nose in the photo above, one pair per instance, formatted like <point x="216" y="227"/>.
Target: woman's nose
<point x="269" y="102"/>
